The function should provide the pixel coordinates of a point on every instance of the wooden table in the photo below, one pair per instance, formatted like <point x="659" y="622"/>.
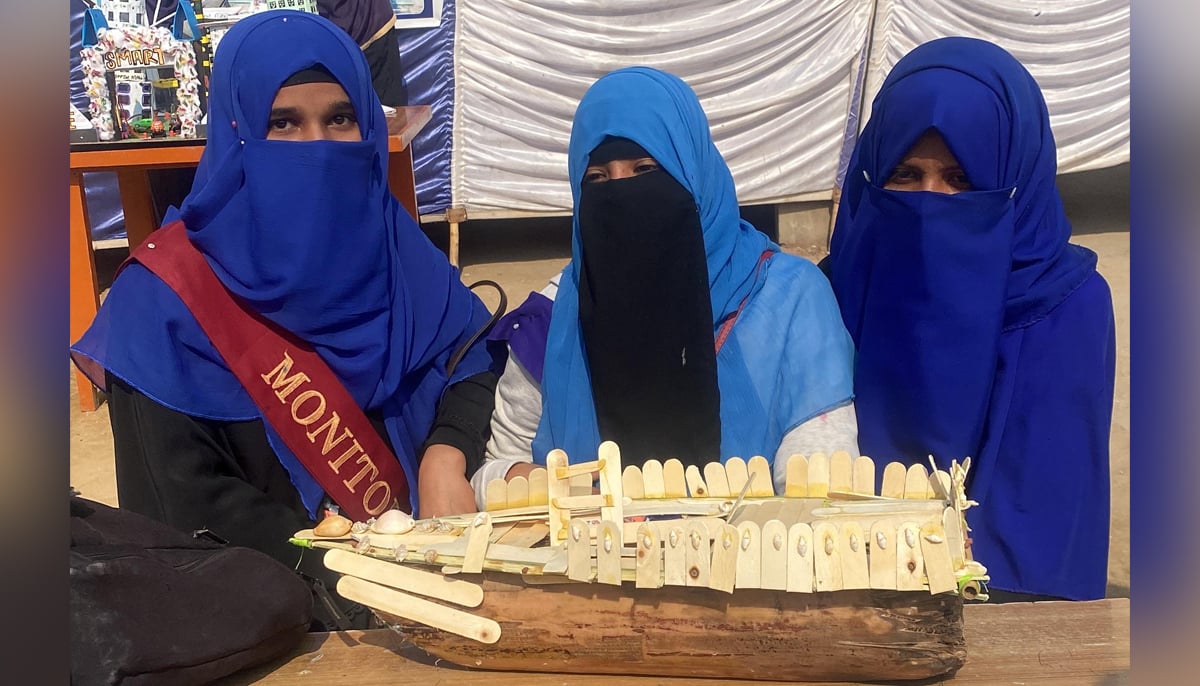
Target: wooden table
<point x="131" y="163"/>
<point x="1048" y="644"/>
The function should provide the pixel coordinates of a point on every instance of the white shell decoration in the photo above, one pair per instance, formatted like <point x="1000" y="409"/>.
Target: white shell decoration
<point x="393" y="522"/>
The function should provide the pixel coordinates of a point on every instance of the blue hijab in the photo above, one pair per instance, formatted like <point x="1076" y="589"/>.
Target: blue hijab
<point x="981" y="331"/>
<point x="309" y="235"/>
<point x="662" y="114"/>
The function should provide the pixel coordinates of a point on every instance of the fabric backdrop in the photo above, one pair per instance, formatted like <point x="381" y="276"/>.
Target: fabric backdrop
<point x="1077" y="50"/>
<point x="786" y="85"/>
<point x="775" y="78"/>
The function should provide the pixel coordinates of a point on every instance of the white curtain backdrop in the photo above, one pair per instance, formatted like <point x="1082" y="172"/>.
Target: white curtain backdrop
<point x="1078" y="50"/>
<point x="776" y="77"/>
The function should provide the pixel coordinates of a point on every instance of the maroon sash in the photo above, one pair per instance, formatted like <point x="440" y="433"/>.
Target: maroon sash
<point x="297" y="393"/>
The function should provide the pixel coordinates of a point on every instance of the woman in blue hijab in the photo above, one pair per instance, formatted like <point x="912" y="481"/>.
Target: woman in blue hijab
<point x="677" y="330"/>
<point x="981" y="331"/>
<point x="291" y="213"/>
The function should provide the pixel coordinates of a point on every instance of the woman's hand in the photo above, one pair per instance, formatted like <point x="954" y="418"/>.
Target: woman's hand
<point x="525" y="468"/>
<point x="520" y="469"/>
<point x="442" y="485"/>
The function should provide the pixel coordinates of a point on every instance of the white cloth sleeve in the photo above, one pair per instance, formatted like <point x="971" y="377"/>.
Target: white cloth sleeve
<point x="514" y="424"/>
<point x="551" y="288"/>
<point x="826" y="433"/>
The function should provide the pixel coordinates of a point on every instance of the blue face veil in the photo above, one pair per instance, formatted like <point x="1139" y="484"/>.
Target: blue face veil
<point x="955" y="304"/>
<point x="309" y="235"/>
<point x="662" y="114"/>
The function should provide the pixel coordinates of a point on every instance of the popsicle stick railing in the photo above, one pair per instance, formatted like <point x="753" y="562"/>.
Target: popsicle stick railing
<point x="857" y="538"/>
<point x="802" y="558"/>
<point x="722" y="527"/>
<point x="492" y="584"/>
<point x="837" y="477"/>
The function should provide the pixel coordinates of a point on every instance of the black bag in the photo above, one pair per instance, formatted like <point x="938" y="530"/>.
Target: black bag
<point x="154" y="605"/>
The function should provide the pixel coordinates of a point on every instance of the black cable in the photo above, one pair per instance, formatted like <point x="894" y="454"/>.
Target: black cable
<point x="500" y="310"/>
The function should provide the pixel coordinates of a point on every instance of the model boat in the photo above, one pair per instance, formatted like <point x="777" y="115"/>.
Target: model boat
<point x="677" y="571"/>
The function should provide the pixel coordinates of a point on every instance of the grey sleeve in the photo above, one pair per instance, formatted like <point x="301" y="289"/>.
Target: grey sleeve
<point x="826" y="433"/>
<point x="514" y="424"/>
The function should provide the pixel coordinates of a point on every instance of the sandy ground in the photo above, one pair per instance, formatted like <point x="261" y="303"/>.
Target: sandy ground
<point x="521" y="255"/>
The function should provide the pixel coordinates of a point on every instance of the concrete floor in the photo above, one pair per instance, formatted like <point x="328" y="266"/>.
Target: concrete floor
<point x="521" y="255"/>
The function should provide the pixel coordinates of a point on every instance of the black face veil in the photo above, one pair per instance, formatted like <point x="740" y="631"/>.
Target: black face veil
<point x="646" y="316"/>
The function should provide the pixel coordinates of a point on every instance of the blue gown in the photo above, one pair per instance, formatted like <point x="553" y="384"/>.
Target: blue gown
<point x="980" y="330"/>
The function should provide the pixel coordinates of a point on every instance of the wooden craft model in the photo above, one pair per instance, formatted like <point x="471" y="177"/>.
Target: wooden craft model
<point x="677" y="572"/>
